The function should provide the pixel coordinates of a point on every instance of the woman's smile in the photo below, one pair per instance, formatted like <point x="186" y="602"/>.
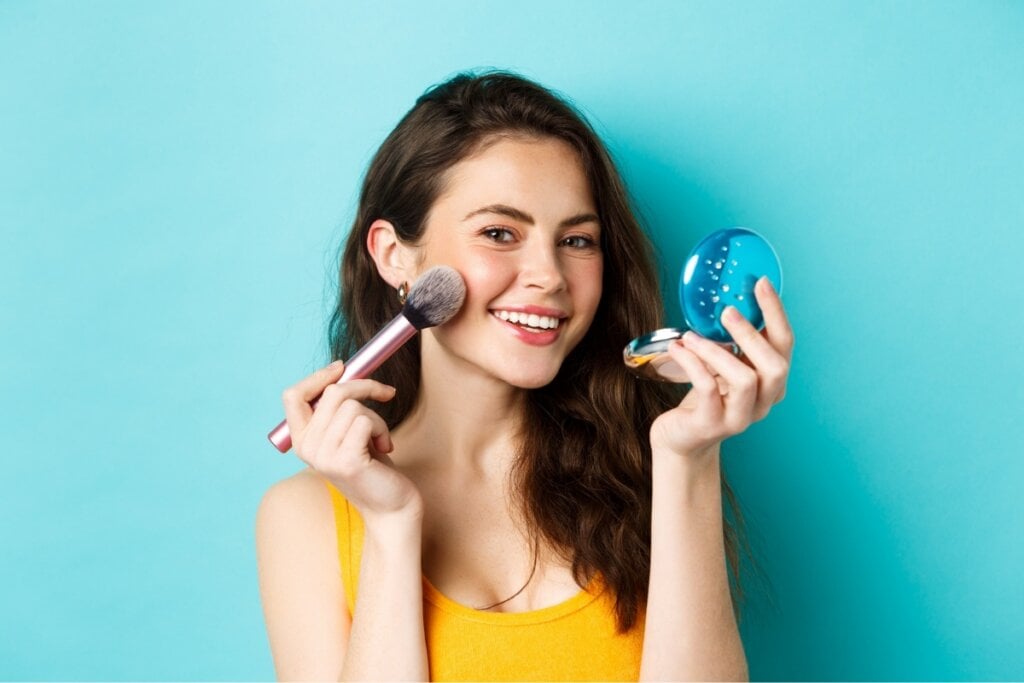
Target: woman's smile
<point x="532" y="325"/>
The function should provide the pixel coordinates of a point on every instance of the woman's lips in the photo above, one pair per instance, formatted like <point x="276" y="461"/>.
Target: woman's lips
<point x="533" y="338"/>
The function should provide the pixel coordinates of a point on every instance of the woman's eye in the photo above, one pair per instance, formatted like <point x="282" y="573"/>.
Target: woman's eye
<point x="579" y="242"/>
<point x="498" y="234"/>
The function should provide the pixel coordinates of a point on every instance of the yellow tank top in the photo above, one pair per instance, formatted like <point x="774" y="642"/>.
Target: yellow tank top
<point x="574" y="640"/>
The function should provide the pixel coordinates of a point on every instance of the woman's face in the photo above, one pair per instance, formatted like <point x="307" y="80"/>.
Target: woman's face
<point x="518" y="222"/>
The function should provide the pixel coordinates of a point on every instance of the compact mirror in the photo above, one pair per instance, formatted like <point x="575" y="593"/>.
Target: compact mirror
<point x="648" y="356"/>
<point x="720" y="271"/>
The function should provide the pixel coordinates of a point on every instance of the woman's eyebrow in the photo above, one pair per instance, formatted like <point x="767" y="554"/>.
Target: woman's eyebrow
<point x="519" y="215"/>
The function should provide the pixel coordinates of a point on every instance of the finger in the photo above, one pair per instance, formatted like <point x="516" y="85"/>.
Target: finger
<point x="324" y="415"/>
<point x="742" y="380"/>
<point x="333" y="398"/>
<point x="350" y="445"/>
<point x="296" y="398"/>
<point x="705" y="387"/>
<point x="354" y="445"/>
<point x="310" y="387"/>
<point x="738" y="375"/>
<point x="382" y="442"/>
<point x="771" y="366"/>
<point x="334" y="423"/>
<point x="757" y="349"/>
<point x="350" y="411"/>
<point x="777" y="329"/>
<point x="360" y="390"/>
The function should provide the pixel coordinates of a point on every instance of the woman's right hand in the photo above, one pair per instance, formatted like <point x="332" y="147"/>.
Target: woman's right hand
<point x="346" y="442"/>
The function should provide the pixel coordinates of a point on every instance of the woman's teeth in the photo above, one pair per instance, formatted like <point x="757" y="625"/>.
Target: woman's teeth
<point x="528" y="320"/>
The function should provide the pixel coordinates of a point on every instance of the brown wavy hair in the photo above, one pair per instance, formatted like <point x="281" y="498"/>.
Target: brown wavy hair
<point x="583" y="473"/>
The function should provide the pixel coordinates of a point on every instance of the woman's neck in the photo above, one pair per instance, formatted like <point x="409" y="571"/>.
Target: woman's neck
<point x="464" y="424"/>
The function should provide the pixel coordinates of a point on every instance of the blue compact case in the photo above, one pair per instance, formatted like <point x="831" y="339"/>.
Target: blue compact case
<point x="721" y="271"/>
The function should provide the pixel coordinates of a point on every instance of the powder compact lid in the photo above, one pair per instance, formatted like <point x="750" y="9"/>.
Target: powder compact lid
<point x="720" y="271"/>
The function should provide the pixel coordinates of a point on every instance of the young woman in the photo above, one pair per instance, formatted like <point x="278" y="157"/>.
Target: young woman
<point x="504" y="500"/>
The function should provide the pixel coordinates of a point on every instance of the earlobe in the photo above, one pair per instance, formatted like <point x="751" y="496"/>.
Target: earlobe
<point x="388" y="252"/>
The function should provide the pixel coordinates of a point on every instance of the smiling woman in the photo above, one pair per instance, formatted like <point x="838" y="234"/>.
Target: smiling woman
<point x="503" y="483"/>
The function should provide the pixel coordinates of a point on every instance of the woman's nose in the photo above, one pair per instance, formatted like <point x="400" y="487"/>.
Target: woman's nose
<point x="541" y="269"/>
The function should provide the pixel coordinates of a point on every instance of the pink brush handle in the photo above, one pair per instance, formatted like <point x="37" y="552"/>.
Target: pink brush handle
<point x="361" y="365"/>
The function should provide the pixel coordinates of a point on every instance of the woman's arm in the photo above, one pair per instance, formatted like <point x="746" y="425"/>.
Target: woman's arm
<point x="388" y="641"/>
<point x="312" y="637"/>
<point x="690" y="631"/>
<point x="346" y="443"/>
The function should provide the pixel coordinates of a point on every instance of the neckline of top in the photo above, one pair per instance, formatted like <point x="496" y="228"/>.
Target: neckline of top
<point x="591" y="592"/>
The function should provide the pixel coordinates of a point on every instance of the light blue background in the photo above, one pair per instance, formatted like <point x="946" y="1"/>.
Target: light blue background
<point x="175" y="179"/>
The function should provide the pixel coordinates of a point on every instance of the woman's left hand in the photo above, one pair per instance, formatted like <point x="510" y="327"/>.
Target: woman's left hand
<point x="746" y="386"/>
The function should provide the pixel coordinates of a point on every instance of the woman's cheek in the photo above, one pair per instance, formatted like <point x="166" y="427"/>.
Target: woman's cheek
<point x="588" y="280"/>
<point x="486" y="275"/>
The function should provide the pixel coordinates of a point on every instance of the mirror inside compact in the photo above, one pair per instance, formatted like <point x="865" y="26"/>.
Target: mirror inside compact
<point x="720" y="271"/>
<point x="648" y="356"/>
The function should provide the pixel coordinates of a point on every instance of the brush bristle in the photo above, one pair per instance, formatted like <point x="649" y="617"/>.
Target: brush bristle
<point x="435" y="297"/>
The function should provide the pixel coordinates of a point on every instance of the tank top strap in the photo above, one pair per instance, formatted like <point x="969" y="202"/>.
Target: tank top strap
<point x="349" y="526"/>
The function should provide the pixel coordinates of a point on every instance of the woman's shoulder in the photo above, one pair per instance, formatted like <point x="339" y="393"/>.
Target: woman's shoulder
<point x="304" y="480"/>
<point x="301" y="499"/>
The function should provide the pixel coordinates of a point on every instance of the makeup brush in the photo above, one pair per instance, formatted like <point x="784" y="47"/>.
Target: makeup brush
<point x="434" y="299"/>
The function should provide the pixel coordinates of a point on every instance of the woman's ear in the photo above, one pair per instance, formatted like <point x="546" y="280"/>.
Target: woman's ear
<point x="394" y="260"/>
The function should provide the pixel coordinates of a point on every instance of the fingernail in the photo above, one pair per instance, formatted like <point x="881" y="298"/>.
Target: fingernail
<point x="690" y="337"/>
<point x="730" y="314"/>
<point x="766" y="285"/>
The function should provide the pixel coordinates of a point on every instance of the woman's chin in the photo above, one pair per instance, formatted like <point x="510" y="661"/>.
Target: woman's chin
<point x="531" y="380"/>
